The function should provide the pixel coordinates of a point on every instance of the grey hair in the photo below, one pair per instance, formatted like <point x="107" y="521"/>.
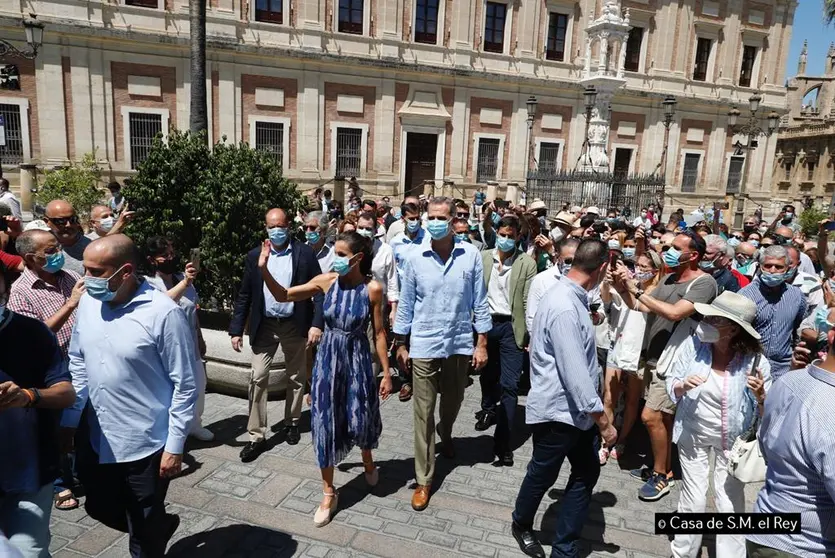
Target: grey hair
<point x="717" y="241"/>
<point x="443" y="200"/>
<point x="317" y="216"/>
<point x="775" y="251"/>
<point x="28" y="241"/>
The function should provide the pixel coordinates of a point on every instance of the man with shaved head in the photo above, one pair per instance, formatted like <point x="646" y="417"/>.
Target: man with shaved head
<point x="132" y="361"/>
<point x="62" y="220"/>
<point x="293" y="326"/>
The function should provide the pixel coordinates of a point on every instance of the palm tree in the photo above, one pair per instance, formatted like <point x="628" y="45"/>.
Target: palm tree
<point x="829" y="10"/>
<point x="199" y="120"/>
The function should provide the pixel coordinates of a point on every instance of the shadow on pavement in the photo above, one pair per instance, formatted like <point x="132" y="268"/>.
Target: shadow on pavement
<point x="224" y="540"/>
<point x="592" y="538"/>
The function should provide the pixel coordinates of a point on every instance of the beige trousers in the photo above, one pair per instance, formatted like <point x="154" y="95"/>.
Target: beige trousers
<point x="447" y="376"/>
<point x="271" y="335"/>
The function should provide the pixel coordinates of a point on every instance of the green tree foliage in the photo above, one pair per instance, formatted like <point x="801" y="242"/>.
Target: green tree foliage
<point x="212" y="199"/>
<point x="79" y="183"/>
<point x="810" y="218"/>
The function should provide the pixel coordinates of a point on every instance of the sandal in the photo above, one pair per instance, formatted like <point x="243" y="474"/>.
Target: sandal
<point x="65" y="501"/>
<point x="405" y="392"/>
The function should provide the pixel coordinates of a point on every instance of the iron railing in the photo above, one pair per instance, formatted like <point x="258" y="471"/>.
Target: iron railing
<point x="487" y="165"/>
<point x="604" y="190"/>
<point x="12" y="152"/>
<point x="348" y="151"/>
<point x="143" y="128"/>
<point x="269" y="137"/>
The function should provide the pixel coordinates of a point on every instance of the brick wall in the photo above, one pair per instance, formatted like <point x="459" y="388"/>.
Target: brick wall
<point x="28" y="90"/>
<point x="332" y="92"/>
<point x="249" y="108"/>
<point x="476" y="127"/>
<point x="119" y="72"/>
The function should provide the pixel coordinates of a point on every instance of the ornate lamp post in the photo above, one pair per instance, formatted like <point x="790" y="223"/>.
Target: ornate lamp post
<point x="531" y="104"/>
<point x="669" y="104"/>
<point x="590" y="99"/>
<point x="752" y="129"/>
<point x="34" y="38"/>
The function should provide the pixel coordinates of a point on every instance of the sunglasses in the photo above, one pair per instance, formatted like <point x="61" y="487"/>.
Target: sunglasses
<point x="62" y="221"/>
<point x="568" y="261"/>
<point x="462" y="215"/>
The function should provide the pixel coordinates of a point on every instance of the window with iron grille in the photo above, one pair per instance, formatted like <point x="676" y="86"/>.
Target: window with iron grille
<point x="788" y="166"/>
<point x="143" y="3"/>
<point x="810" y="170"/>
<point x="557" y="29"/>
<point x="690" y="172"/>
<point x="269" y="137"/>
<point x="269" y="10"/>
<point x="749" y="55"/>
<point x="426" y="21"/>
<point x="549" y="154"/>
<point x="734" y="175"/>
<point x="351" y="16"/>
<point x="12" y="152"/>
<point x="494" y="27"/>
<point x="633" y="49"/>
<point x="488" y="160"/>
<point x="143" y="128"/>
<point x="703" y="47"/>
<point x="348" y="151"/>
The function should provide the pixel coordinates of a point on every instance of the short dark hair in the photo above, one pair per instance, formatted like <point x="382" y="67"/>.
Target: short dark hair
<point x="587" y="220"/>
<point x="4" y="184"/>
<point x="787" y="207"/>
<point x="367" y="215"/>
<point x="372" y="203"/>
<point x="697" y="243"/>
<point x="511" y="221"/>
<point x="409" y="208"/>
<point x="591" y="254"/>
<point x="567" y="241"/>
<point x="358" y="244"/>
<point x="328" y="193"/>
<point x="113" y="185"/>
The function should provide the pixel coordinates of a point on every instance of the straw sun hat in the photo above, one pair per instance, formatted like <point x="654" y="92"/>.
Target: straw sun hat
<point x="734" y="307"/>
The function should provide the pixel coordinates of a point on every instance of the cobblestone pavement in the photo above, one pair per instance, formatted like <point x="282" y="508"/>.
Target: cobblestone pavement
<point x="265" y="508"/>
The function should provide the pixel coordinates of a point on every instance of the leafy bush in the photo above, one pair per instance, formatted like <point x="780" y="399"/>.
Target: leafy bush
<point x="214" y="199"/>
<point x="79" y="183"/>
<point x="810" y="218"/>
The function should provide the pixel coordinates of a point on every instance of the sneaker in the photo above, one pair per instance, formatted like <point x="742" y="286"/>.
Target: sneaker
<point x="202" y="434"/>
<point x="603" y="454"/>
<point x="655" y="488"/>
<point x="644" y="473"/>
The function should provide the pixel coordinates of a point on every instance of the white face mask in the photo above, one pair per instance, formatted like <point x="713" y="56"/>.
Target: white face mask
<point x="557" y="234"/>
<point x="106" y="224"/>
<point x="707" y="333"/>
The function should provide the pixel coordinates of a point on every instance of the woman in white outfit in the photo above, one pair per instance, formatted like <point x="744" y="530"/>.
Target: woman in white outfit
<point x="622" y="362"/>
<point x="162" y="260"/>
<point x="718" y="379"/>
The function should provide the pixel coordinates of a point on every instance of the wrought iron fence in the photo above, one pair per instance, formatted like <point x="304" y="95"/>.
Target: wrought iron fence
<point x="143" y="128"/>
<point x="269" y="137"/>
<point x="348" y="151"/>
<point x="12" y="152"/>
<point x="585" y="188"/>
<point x="488" y="160"/>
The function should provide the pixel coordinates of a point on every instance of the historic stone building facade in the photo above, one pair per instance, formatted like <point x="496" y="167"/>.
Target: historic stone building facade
<point x="397" y="92"/>
<point x="804" y="165"/>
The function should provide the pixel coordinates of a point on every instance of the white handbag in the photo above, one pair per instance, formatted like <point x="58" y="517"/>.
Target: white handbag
<point x="746" y="461"/>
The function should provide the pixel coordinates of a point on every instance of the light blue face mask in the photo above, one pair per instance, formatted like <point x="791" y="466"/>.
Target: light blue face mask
<point x="496" y="218"/>
<point x="312" y="237"/>
<point x="772" y="279"/>
<point x="398" y="214"/>
<point x="628" y="252"/>
<point x="733" y="242"/>
<point x="614" y="245"/>
<point x="754" y="243"/>
<point x="462" y="237"/>
<point x="367" y="233"/>
<point x="672" y="257"/>
<point x="822" y="323"/>
<point x="99" y="287"/>
<point x="505" y="244"/>
<point x="54" y="262"/>
<point x="413" y="225"/>
<point x="437" y="228"/>
<point x="278" y="235"/>
<point x="341" y="265"/>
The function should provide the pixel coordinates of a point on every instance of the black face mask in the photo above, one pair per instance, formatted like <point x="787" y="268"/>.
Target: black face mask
<point x="748" y="228"/>
<point x="168" y="266"/>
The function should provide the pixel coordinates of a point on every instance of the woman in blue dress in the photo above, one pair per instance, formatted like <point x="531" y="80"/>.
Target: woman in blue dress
<point x="345" y="408"/>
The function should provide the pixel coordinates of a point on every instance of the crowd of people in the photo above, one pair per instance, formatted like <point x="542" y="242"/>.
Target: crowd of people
<point x="706" y="333"/>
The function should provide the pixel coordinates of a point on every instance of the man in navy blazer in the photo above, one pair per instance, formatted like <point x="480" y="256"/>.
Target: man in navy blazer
<point x="291" y="325"/>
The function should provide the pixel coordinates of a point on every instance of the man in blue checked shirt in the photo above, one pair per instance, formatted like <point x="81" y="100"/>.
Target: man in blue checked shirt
<point x="132" y="361"/>
<point x="442" y="299"/>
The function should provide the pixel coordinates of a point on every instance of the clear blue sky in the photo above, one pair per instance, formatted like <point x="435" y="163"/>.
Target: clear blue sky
<point x="809" y="25"/>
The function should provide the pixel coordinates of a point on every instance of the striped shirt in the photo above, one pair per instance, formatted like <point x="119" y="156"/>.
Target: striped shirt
<point x="32" y="296"/>
<point x="779" y="313"/>
<point x="798" y="443"/>
<point x="564" y="367"/>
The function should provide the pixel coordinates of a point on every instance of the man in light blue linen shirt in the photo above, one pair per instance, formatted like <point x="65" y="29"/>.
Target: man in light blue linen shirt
<point x="442" y="299"/>
<point x="563" y="404"/>
<point x="132" y="361"/>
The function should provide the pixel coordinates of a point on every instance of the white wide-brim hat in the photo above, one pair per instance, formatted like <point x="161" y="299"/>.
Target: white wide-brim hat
<point x="735" y="307"/>
<point x="537" y="205"/>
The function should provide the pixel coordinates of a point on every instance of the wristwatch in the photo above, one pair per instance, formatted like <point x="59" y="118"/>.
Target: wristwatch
<point x="638" y="294"/>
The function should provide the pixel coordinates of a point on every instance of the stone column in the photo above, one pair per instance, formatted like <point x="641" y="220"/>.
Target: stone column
<point x="512" y="193"/>
<point x="27" y="182"/>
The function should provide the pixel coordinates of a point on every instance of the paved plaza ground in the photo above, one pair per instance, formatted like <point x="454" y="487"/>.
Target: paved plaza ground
<point x="265" y="508"/>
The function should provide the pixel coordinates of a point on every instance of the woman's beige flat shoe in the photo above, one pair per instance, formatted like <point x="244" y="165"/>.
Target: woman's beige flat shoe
<point x="323" y="516"/>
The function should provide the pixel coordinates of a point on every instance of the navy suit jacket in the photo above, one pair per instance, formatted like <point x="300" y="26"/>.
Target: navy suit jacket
<point x="250" y="299"/>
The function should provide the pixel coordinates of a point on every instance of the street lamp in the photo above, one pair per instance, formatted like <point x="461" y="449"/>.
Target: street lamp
<point x="752" y="129"/>
<point x="669" y="103"/>
<point x="590" y="98"/>
<point x="34" y="38"/>
<point x="531" y="104"/>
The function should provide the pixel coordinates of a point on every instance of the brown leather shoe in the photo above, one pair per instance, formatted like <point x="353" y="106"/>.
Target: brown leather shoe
<point x="420" y="499"/>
